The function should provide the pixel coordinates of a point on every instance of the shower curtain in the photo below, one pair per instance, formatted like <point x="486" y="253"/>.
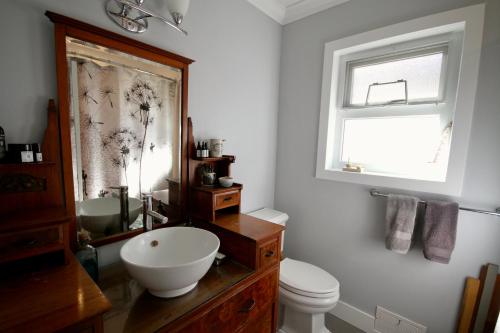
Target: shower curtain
<point x="128" y="128"/>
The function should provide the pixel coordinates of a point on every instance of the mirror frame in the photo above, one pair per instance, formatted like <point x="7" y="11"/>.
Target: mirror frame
<point x="68" y="27"/>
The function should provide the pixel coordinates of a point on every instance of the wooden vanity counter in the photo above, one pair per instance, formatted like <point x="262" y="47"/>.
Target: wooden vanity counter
<point x="240" y="295"/>
<point x="136" y="310"/>
<point x="248" y="226"/>
<point x="62" y="298"/>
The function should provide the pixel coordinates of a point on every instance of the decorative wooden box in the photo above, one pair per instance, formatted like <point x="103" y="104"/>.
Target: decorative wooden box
<point x="209" y="202"/>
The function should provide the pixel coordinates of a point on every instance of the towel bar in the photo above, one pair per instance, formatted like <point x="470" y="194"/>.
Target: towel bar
<point x="376" y="193"/>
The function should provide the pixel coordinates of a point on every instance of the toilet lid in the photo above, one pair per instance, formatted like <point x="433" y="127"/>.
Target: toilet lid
<point x="306" y="279"/>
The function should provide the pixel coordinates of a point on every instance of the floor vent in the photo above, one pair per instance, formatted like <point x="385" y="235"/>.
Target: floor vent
<point x="389" y="322"/>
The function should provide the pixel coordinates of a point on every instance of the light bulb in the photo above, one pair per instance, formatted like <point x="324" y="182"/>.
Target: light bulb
<point x="178" y="9"/>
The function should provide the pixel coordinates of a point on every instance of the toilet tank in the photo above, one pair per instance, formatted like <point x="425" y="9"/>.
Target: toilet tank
<point x="273" y="216"/>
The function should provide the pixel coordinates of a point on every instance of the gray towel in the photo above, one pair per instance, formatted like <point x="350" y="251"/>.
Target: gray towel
<point x="399" y="222"/>
<point x="440" y="229"/>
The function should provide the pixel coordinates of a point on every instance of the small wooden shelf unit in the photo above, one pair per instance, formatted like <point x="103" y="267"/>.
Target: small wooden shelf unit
<point x="208" y="202"/>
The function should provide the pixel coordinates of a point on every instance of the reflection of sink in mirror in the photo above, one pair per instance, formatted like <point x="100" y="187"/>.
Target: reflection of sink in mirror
<point x="161" y="196"/>
<point x="169" y="262"/>
<point x="102" y="215"/>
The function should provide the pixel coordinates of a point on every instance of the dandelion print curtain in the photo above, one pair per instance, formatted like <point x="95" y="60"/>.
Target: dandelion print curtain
<point x="128" y="130"/>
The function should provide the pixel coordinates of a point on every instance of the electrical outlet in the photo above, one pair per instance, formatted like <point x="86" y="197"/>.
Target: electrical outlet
<point x="390" y="322"/>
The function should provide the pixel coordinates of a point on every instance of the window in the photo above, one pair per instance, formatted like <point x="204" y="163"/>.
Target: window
<point x="394" y="116"/>
<point x="392" y="98"/>
<point x="411" y="78"/>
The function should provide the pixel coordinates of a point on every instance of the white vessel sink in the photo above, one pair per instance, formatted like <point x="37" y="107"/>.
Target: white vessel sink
<point x="102" y="215"/>
<point x="169" y="262"/>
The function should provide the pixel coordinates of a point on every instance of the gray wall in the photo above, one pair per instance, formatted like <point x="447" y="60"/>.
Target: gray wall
<point x="233" y="83"/>
<point x="338" y="226"/>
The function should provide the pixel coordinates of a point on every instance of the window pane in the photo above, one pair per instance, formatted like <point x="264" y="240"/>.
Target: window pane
<point x="422" y="73"/>
<point x="392" y="144"/>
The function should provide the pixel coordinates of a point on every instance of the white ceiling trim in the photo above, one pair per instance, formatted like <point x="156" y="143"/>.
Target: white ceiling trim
<point x="287" y="11"/>
<point x="273" y="8"/>
<point x="308" y="7"/>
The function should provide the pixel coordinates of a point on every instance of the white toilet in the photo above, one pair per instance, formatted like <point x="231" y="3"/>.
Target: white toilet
<point x="307" y="292"/>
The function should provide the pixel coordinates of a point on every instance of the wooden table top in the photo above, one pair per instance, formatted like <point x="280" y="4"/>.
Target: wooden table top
<point x="49" y="300"/>
<point x="247" y="226"/>
<point x="135" y="310"/>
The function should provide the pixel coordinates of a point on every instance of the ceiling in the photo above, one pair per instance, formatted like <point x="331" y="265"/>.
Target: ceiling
<point x="286" y="11"/>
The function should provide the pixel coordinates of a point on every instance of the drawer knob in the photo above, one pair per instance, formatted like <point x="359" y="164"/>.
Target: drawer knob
<point x="269" y="254"/>
<point x="227" y="198"/>
<point x="28" y="242"/>
<point x="249" y="305"/>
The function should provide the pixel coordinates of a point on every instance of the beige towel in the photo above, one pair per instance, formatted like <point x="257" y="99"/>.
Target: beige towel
<point x="400" y="222"/>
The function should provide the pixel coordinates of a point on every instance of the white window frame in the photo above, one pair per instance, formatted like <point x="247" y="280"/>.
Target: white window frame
<point x="450" y="44"/>
<point x="443" y="106"/>
<point x="461" y="28"/>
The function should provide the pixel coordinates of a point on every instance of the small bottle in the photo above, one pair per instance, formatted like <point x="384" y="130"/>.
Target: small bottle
<point x="27" y="154"/>
<point x="87" y="255"/>
<point x="206" y="149"/>
<point x="3" y="150"/>
<point x="198" y="150"/>
<point x="37" y="153"/>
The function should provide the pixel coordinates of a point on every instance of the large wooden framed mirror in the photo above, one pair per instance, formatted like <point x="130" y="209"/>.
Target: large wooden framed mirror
<point x="123" y="129"/>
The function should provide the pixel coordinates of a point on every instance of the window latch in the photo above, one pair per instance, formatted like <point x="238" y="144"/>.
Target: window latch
<point x="394" y="101"/>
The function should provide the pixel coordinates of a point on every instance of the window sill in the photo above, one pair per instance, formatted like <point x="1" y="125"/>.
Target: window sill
<point x="391" y="181"/>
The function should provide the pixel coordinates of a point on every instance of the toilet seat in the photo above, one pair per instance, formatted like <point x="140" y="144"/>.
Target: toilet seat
<point x="304" y="279"/>
<point x="306" y="293"/>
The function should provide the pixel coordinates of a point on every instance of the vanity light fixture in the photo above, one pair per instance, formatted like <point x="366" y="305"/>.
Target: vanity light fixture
<point x="132" y="16"/>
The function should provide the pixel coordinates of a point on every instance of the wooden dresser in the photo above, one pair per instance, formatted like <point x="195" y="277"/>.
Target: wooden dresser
<point x="240" y="295"/>
<point x="210" y="202"/>
<point x="252" y="305"/>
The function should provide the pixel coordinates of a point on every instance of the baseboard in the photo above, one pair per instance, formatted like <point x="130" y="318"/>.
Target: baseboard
<point x="354" y="316"/>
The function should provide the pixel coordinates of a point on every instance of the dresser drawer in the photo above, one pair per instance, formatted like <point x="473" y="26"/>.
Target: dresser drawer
<point x="269" y="253"/>
<point x="227" y="199"/>
<point x="263" y="324"/>
<point x="34" y="240"/>
<point x="245" y="307"/>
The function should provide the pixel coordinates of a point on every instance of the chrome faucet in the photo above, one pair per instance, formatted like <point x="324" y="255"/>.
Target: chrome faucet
<point x="148" y="214"/>
<point x="124" y="212"/>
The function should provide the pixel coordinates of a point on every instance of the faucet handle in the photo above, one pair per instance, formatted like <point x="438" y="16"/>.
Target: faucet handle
<point x="158" y="216"/>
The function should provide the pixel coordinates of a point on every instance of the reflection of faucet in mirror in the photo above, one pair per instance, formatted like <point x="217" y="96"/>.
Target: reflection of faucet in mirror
<point x="124" y="213"/>
<point x="148" y="214"/>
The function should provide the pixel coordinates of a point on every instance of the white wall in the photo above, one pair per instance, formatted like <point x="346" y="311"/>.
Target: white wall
<point x="233" y="83"/>
<point x="338" y="226"/>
